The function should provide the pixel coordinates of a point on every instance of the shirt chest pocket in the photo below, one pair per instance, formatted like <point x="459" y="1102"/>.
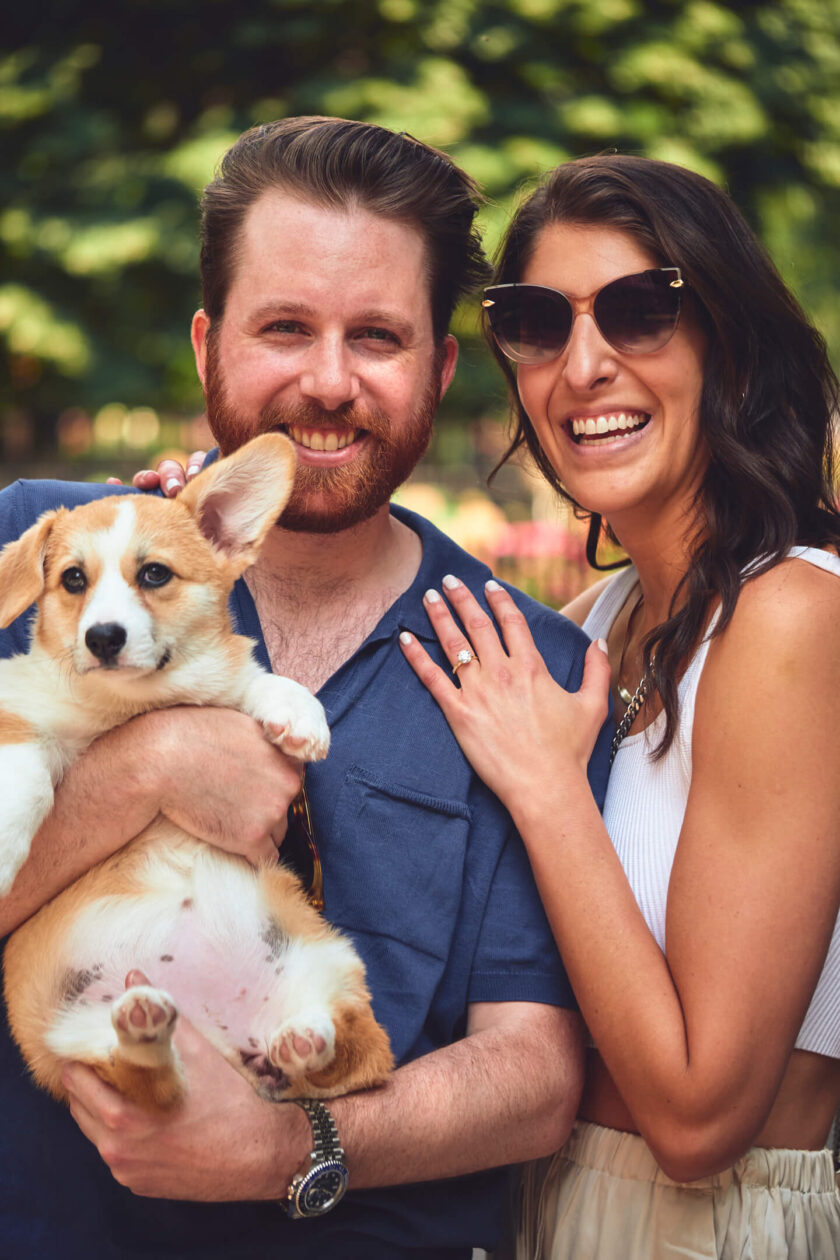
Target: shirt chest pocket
<point x="393" y="879"/>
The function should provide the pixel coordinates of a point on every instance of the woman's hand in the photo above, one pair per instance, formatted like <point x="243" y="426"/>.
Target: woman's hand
<point x="513" y="721"/>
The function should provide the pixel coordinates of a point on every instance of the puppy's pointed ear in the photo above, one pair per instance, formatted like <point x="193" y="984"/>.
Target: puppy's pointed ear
<point x="22" y="569"/>
<point x="237" y="500"/>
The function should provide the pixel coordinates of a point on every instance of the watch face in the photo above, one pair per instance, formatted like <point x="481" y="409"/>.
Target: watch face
<point x="321" y="1189"/>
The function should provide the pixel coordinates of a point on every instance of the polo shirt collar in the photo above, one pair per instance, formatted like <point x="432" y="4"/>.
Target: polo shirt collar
<point x="440" y="556"/>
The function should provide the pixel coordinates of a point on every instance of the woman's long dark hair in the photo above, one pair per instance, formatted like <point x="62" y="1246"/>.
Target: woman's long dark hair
<point x="769" y="394"/>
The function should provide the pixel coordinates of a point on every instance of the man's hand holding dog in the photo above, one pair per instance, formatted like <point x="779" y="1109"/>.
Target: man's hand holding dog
<point x="176" y="1154"/>
<point x="223" y="781"/>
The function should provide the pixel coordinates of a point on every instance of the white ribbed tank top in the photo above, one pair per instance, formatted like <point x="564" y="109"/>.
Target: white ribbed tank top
<point x="646" y="800"/>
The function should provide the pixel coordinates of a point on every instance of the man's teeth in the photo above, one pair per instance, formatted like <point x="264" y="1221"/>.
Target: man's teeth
<point x="318" y="440"/>
<point x="611" y="422"/>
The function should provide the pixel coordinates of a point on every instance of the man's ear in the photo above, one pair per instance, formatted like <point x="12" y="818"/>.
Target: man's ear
<point x="237" y="500"/>
<point x="22" y="569"/>
<point x="450" y="359"/>
<point x="199" y="331"/>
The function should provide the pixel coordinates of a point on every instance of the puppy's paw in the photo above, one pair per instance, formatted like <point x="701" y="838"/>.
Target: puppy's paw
<point x="304" y="734"/>
<point x="292" y="717"/>
<point x="144" y="1019"/>
<point x="303" y="1044"/>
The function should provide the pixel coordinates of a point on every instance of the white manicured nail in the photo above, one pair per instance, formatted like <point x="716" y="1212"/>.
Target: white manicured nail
<point x="172" y="484"/>
<point x="432" y="597"/>
<point x="602" y="644"/>
<point x="450" y="582"/>
<point x="405" y="637"/>
<point x="492" y="585"/>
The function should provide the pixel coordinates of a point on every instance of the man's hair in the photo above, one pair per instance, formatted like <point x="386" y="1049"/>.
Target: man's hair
<point x="334" y="162"/>
<point x="769" y="394"/>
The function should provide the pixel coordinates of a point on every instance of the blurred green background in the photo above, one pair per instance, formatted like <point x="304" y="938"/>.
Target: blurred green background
<point x="114" y="116"/>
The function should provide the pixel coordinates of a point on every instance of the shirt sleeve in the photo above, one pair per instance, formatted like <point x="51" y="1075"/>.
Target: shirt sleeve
<point x="516" y="959"/>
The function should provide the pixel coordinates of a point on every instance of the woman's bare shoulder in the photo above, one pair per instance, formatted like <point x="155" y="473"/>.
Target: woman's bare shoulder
<point x="793" y="596"/>
<point x="784" y="636"/>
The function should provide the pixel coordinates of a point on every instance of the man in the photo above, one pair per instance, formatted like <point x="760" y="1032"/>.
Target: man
<point x="332" y="256"/>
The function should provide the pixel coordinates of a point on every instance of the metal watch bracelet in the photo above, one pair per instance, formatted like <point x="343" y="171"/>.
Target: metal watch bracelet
<point x="315" y="1190"/>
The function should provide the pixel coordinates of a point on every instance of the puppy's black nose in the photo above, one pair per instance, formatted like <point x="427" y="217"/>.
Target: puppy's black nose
<point x="106" y="641"/>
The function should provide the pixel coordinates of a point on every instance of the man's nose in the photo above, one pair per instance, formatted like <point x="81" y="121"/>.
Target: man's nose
<point x="329" y="376"/>
<point x="588" y="360"/>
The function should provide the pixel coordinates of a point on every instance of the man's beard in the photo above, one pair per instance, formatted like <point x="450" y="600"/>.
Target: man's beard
<point x="325" y="500"/>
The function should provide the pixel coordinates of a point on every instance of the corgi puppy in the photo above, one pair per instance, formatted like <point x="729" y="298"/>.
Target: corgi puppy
<point x="132" y="615"/>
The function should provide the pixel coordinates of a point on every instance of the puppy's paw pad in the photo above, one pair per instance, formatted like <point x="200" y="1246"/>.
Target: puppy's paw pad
<point x="144" y="1014"/>
<point x="303" y="1045"/>
<point x="306" y="738"/>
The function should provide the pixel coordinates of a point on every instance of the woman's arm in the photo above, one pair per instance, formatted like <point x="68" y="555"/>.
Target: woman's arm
<point x="698" y="1041"/>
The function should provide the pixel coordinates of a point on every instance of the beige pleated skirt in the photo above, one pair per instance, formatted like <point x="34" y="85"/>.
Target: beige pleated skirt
<point x="603" y="1197"/>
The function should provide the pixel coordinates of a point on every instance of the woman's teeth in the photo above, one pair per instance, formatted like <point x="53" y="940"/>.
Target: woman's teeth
<point x="609" y="422"/>
<point x="318" y="440"/>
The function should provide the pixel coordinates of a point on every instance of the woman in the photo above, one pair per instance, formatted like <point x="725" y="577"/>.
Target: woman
<point x="666" y="381"/>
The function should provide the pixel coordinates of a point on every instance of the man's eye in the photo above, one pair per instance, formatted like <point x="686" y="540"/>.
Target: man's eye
<point x="154" y="574"/>
<point x="380" y="334"/>
<point x="74" y="580"/>
<point x="287" y="326"/>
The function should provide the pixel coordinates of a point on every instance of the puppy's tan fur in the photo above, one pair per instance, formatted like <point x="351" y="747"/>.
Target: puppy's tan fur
<point x="241" y="952"/>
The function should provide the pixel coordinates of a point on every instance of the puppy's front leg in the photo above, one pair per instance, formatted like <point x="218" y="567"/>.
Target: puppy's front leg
<point x="292" y="717"/>
<point x="26" y="797"/>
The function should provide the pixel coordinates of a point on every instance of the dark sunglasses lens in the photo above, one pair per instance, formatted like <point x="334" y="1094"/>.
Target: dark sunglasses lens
<point x="530" y="324"/>
<point x="639" y="313"/>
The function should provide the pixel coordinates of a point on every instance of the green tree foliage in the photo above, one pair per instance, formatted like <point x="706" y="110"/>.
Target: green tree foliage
<point x="113" y="116"/>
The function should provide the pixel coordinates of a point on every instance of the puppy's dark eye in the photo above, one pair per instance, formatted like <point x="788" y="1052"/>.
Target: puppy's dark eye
<point x="153" y="574"/>
<point x="74" y="581"/>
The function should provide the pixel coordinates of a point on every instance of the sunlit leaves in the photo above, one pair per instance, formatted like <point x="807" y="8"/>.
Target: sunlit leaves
<point x="110" y="129"/>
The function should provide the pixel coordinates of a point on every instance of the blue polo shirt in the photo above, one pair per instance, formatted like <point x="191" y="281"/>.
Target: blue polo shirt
<point x="422" y="868"/>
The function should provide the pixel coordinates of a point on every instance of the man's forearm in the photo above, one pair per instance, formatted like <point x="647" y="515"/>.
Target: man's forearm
<point x="508" y="1092"/>
<point x="105" y="798"/>
<point x="210" y="771"/>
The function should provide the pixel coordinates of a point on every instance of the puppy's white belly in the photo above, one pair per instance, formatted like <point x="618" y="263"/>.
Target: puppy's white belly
<point x="212" y="946"/>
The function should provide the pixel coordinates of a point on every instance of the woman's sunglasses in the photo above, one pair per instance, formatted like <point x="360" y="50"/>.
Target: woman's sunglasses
<point x="635" y="314"/>
<point x="299" y="849"/>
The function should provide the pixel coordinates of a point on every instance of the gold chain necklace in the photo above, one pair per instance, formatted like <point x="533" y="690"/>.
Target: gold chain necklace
<point x="635" y="701"/>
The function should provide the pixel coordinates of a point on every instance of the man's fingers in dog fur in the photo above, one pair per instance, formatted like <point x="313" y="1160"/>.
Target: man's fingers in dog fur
<point x="135" y="977"/>
<point x="93" y="1103"/>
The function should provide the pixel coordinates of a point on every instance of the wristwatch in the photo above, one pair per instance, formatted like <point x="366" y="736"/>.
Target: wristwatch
<point x="322" y="1183"/>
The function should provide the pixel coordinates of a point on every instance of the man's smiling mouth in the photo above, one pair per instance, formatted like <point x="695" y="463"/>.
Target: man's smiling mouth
<point x="322" y="439"/>
<point x="608" y="426"/>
